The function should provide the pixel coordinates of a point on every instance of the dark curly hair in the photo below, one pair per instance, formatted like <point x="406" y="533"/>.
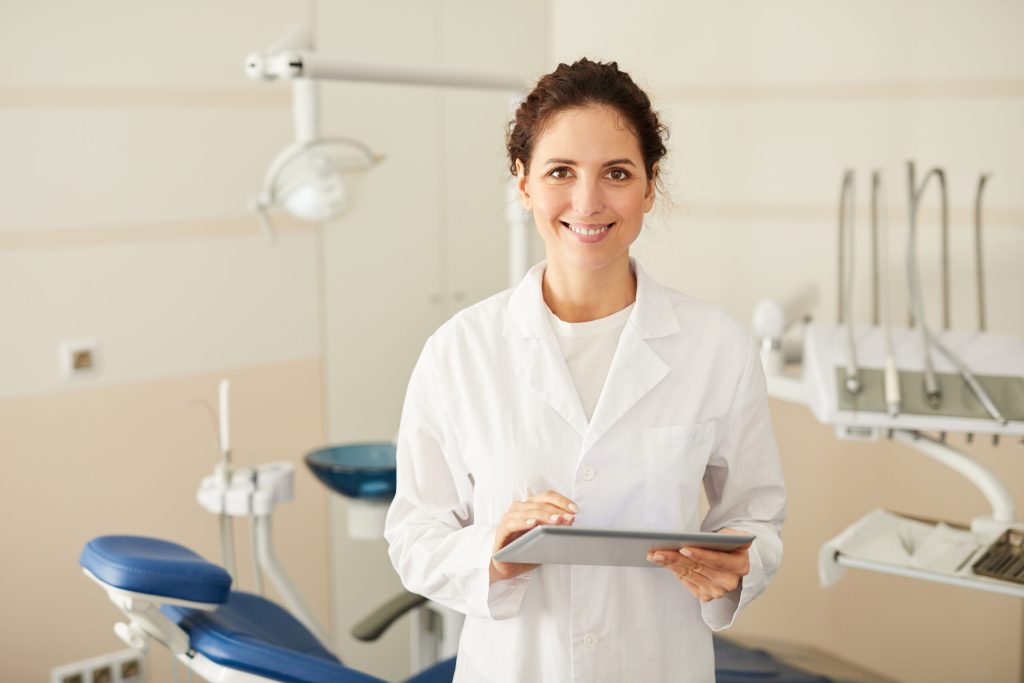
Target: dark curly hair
<point x="585" y="83"/>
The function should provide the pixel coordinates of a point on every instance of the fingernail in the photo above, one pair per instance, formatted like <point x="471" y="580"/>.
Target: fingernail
<point x="553" y="518"/>
<point x="567" y="517"/>
<point x="659" y="559"/>
<point x="574" y="507"/>
<point x="685" y="551"/>
<point x="531" y="522"/>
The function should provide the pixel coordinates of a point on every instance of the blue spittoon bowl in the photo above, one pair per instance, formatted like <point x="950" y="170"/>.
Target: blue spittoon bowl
<point x="364" y="471"/>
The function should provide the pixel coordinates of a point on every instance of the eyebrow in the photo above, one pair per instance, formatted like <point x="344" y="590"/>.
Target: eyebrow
<point x="570" y="162"/>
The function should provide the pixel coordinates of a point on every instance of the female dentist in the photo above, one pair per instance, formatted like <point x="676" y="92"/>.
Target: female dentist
<point x="589" y="394"/>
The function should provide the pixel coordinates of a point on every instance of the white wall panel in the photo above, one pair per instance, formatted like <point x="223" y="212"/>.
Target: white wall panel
<point x="158" y="310"/>
<point x="81" y="167"/>
<point x="667" y="41"/>
<point x="142" y="44"/>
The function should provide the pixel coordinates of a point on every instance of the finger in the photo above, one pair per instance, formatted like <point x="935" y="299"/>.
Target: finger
<point x="558" y="500"/>
<point x="717" y="583"/>
<point x="694" y="585"/>
<point x="551" y="514"/>
<point x="714" y="583"/>
<point x="735" y="561"/>
<point x="535" y="516"/>
<point x="703" y="587"/>
<point x="684" y="565"/>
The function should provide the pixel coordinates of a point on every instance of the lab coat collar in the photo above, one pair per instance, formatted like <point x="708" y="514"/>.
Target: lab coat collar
<point x="526" y="315"/>
<point x="635" y="369"/>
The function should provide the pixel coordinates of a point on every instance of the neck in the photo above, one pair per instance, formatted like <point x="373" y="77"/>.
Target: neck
<point x="577" y="296"/>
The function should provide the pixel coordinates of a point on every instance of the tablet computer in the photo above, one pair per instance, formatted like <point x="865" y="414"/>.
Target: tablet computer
<point x="612" y="547"/>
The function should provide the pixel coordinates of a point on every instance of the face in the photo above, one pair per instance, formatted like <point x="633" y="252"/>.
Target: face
<point x="587" y="189"/>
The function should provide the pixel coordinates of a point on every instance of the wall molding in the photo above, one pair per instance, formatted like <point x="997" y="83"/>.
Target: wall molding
<point x="829" y="92"/>
<point x="1002" y="217"/>
<point x="63" y="238"/>
<point x="143" y="97"/>
<point x="248" y="226"/>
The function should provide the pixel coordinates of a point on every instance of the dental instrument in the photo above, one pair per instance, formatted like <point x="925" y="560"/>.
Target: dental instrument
<point x="880" y="238"/>
<point x="929" y="338"/>
<point x="847" y="210"/>
<point x="978" y="253"/>
<point x="976" y="365"/>
<point x="223" y="472"/>
<point x="931" y="382"/>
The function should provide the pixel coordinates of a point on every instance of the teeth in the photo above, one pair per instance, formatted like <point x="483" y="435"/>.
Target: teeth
<point x="583" y="231"/>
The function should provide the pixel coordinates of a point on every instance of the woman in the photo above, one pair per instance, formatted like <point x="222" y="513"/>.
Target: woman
<point x="590" y="395"/>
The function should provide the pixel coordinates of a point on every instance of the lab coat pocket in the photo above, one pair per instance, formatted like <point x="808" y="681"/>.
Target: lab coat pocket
<point x="675" y="458"/>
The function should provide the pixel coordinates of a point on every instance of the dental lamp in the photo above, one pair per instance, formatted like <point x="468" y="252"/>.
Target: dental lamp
<point x="307" y="177"/>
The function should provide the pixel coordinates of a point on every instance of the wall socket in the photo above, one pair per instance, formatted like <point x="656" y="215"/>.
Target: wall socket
<point x="125" y="666"/>
<point x="79" y="358"/>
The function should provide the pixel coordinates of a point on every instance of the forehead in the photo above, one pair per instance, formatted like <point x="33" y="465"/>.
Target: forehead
<point x="591" y="134"/>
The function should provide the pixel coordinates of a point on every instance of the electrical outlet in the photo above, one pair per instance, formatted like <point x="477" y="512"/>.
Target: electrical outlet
<point x="131" y="670"/>
<point x="78" y="358"/>
<point x="125" y="666"/>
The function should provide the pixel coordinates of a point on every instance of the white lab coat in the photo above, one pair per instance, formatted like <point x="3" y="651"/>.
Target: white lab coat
<point x="492" y="416"/>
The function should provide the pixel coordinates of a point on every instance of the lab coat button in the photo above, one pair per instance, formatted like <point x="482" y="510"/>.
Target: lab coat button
<point x="590" y="639"/>
<point x="589" y="473"/>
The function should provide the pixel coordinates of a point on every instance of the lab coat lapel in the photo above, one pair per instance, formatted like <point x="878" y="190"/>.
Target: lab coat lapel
<point x="636" y="369"/>
<point x="537" y="356"/>
<point x="543" y="367"/>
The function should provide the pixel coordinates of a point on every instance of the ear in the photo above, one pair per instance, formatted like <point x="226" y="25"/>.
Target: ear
<point x="649" y="193"/>
<point x="521" y="185"/>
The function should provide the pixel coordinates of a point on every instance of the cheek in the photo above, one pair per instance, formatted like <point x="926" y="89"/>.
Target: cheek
<point x="632" y="206"/>
<point x="548" y="204"/>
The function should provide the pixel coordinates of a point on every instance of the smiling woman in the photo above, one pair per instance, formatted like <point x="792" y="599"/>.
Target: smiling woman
<point x="588" y="395"/>
<point x="599" y="144"/>
<point x="588" y="203"/>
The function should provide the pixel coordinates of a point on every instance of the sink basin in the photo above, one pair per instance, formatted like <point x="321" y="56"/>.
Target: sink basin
<point x="363" y="471"/>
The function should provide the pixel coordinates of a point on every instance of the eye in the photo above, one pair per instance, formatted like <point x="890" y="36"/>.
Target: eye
<point x="561" y="172"/>
<point x="619" y="174"/>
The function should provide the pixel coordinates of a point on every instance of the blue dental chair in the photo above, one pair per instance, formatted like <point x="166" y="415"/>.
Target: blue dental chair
<point x="174" y="596"/>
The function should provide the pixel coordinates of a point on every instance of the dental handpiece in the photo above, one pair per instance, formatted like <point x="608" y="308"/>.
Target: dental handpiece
<point x="880" y="228"/>
<point x="931" y="383"/>
<point x="846" y="219"/>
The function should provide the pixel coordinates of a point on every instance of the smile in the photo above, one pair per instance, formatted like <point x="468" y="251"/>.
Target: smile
<point x="587" y="229"/>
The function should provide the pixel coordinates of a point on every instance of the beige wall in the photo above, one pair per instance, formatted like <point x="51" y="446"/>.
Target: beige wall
<point x="768" y="103"/>
<point x="128" y="459"/>
<point x="131" y="141"/>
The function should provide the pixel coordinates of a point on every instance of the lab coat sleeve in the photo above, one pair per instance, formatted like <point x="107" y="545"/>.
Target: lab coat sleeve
<point x="745" y="490"/>
<point x="434" y="544"/>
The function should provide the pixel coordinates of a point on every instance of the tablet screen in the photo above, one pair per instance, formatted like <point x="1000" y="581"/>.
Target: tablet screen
<point x="610" y="547"/>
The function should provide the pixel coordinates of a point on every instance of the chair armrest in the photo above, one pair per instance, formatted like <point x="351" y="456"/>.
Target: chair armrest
<point x="373" y="626"/>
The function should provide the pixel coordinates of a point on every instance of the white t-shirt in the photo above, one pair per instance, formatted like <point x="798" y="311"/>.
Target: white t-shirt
<point x="588" y="348"/>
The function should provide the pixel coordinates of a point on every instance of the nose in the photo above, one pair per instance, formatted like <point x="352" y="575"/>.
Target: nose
<point x="587" y="199"/>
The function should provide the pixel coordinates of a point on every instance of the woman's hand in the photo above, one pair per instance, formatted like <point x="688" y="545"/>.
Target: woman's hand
<point x="708" y="574"/>
<point x="547" y="508"/>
